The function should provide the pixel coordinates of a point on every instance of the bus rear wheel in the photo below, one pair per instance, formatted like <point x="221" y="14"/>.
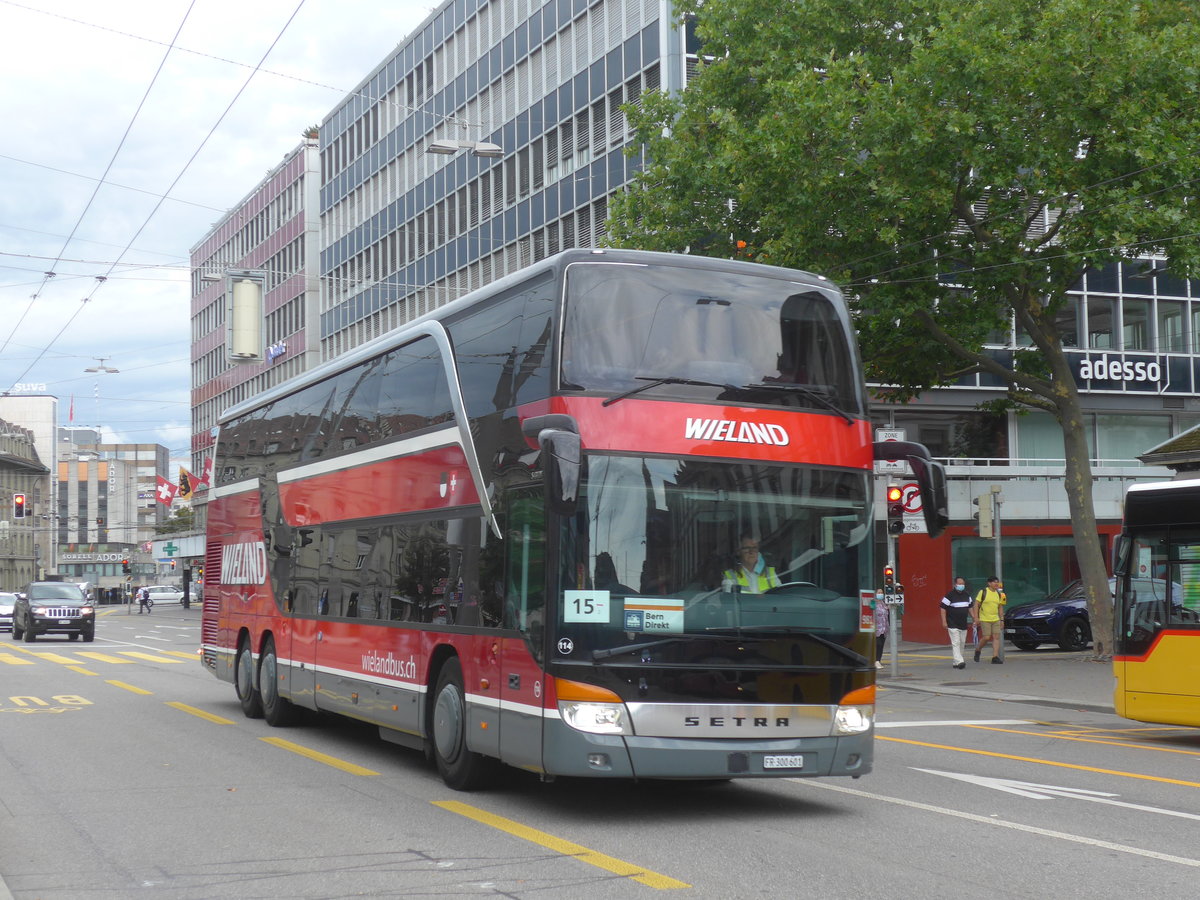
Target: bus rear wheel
<point x="460" y="768"/>
<point x="276" y="710"/>
<point x="243" y="682"/>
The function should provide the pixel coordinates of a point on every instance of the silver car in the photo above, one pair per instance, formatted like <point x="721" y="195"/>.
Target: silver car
<point x="7" y="602"/>
<point x="165" y="593"/>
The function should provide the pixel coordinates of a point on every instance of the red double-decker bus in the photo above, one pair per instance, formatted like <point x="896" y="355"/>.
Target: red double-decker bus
<point x="609" y="516"/>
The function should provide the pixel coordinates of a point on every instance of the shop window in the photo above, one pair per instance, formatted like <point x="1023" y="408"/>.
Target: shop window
<point x="1121" y="439"/>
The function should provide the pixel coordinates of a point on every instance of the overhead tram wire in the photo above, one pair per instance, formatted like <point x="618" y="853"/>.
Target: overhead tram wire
<point x="95" y="191"/>
<point x="100" y="279"/>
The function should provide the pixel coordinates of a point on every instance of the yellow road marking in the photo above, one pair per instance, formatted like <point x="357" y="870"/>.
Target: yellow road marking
<point x="105" y="658"/>
<point x="149" y="656"/>
<point x="319" y="757"/>
<point x="567" y="848"/>
<point x="1083" y="740"/>
<point x="181" y="654"/>
<point x="16" y="660"/>
<point x="129" y="687"/>
<point x="82" y="671"/>
<point x="54" y="657"/>
<point x="211" y="717"/>
<point x="1043" y="762"/>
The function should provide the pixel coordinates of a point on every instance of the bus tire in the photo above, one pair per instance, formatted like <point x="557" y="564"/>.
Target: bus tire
<point x="243" y="682"/>
<point x="276" y="710"/>
<point x="460" y="768"/>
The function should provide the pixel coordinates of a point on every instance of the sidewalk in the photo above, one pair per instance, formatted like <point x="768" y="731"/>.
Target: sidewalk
<point x="1047" y="677"/>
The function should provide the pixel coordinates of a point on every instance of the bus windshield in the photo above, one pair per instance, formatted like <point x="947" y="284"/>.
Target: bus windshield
<point x="681" y="332"/>
<point x="669" y="548"/>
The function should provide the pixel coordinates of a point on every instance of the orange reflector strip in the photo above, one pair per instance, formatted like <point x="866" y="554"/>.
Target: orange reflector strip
<point x="575" y="690"/>
<point x="861" y="697"/>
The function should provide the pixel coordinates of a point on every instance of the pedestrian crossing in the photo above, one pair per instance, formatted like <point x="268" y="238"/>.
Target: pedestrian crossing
<point x="20" y="656"/>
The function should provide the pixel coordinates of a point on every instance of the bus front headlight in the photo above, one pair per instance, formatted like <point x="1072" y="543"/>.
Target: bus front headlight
<point x="855" y="712"/>
<point x="595" y="718"/>
<point x="591" y="708"/>
<point x="853" y="719"/>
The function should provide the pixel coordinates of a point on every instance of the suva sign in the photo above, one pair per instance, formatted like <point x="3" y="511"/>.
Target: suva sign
<point x="1108" y="369"/>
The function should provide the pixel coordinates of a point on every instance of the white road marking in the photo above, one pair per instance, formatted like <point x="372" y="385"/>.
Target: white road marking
<point x="1000" y="823"/>
<point x="1050" y="792"/>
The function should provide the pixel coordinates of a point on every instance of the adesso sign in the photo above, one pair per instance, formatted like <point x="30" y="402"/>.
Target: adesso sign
<point x="1139" y="374"/>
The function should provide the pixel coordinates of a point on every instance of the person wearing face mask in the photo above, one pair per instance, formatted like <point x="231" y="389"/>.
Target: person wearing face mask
<point x="956" y="609"/>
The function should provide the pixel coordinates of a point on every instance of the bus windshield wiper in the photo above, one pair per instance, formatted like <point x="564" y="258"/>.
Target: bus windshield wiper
<point x="815" y="396"/>
<point x="853" y="656"/>
<point x="652" y="382"/>
<point x="650" y="645"/>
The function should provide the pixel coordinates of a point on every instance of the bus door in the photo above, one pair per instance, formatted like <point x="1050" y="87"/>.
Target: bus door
<point x="522" y="677"/>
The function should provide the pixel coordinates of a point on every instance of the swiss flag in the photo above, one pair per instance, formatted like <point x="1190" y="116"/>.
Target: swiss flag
<point x="166" y="491"/>
<point x="206" y="475"/>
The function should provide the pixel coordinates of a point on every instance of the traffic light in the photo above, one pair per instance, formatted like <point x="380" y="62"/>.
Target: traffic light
<point x="895" y="509"/>
<point x="18" y="506"/>
<point x="125" y="570"/>
<point x="889" y="580"/>
<point x="984" y="515"/>
<point x="172" y="565"/>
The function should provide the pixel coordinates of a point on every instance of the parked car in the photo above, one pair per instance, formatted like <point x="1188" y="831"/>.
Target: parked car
<point x="7" y="602"/>
<point x="164" y="593"/>
<point x="1062" y="617"/>
<point x="53" y="607"/>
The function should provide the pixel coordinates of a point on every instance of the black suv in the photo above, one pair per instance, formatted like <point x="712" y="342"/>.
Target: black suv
<point x="53" y="607"/>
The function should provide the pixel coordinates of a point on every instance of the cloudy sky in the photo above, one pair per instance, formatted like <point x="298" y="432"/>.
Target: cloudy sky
<point x="132" y="127"/>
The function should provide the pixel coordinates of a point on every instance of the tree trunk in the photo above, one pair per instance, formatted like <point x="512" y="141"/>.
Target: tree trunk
<point x="1078" y="485"/>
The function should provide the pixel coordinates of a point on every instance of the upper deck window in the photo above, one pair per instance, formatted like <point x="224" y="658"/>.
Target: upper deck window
<point x="746" y="336"/>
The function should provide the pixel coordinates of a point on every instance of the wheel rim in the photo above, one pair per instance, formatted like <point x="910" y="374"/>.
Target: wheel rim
<point x="266" y="677"/>
<point x="448" y="723"/>
<point x="245" y="672"/>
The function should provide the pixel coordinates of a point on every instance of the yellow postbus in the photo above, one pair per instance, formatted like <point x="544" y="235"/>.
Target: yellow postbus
<point x="1156" y="617"/>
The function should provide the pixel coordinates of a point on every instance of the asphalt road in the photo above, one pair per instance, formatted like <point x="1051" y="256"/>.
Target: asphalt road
<point x="126" y="769"/>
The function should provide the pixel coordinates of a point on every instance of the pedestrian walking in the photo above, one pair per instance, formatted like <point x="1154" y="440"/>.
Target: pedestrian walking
<point x="144" y="601"/>
<point x="956" y="612"/>
<point x="882" y="616"/>
<point x="988" y="610"/>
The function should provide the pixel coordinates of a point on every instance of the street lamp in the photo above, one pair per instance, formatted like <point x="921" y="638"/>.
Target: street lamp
<point x="482" y="149"/>
<point x="102" y="367"/>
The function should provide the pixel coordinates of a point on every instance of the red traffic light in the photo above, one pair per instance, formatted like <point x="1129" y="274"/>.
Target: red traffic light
<point x="888" y="573"/>
<point x="18" y="506"/>
<point x="894" y="494"/>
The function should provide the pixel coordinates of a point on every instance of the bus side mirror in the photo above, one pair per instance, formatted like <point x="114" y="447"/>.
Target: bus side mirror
<point x="562" y="453"/>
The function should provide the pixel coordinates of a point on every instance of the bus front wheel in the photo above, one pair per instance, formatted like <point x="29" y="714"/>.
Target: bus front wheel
<point x="460" y="768"/>
<point x="243" y="681"/>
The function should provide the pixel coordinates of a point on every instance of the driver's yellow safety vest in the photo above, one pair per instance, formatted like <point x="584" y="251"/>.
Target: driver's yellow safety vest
<point x="762" y="583"/>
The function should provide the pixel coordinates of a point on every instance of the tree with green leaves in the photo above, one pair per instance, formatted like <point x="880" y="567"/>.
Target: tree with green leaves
<point x="955" y="164"/>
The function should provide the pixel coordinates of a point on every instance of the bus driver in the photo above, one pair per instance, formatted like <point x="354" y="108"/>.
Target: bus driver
<point x="751" y="572"/>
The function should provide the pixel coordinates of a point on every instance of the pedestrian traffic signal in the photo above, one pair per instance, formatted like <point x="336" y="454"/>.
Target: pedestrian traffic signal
<point x="18" y="506"/>
<point x="895" y="509"/>
<point x="125" y="570"/>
